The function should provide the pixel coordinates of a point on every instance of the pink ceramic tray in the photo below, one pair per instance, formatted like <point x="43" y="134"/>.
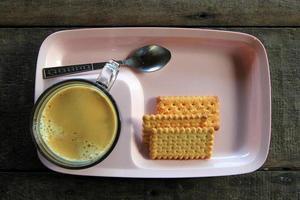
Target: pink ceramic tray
<point x="233" y="66"/>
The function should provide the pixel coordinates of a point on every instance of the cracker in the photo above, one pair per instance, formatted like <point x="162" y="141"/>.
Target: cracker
<point x="205" y="105"/>
<point x="167" y="121"/>
<point x="181" y="143"/>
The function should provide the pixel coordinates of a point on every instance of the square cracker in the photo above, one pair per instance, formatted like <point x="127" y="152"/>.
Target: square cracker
<point x="181" y="143"/>
<point x="181" y="105"/>
<point x="171" y="121"/>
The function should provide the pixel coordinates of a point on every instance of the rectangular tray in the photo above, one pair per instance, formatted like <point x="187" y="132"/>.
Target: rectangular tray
<point x="231" y="65"/>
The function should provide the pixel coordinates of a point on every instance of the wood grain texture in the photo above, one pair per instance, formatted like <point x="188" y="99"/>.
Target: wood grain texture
<point x="19" y="50"/>
<point x="150" y="12"/>
<point x="258" y="185"/>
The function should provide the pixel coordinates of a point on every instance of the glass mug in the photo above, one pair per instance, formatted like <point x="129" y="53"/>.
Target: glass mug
<point x="75" y="123"/>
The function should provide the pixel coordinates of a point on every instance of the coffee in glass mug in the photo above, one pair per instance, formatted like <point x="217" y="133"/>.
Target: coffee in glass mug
<point x="76" y="123"/>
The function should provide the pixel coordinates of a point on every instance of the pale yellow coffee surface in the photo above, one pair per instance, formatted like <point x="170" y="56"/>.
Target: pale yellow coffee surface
<point x="78" y="123"/>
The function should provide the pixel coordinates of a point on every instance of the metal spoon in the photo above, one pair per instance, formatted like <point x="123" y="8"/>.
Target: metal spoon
<point x="146" y="59"/>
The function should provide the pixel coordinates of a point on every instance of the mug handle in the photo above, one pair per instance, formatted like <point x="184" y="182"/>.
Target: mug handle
<point x="108" y="74"/>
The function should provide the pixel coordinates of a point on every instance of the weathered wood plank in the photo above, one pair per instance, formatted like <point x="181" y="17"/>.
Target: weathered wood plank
<point x="19" y="49"/>
<point x="258" y="185"/>
<point x="150" y="13"/>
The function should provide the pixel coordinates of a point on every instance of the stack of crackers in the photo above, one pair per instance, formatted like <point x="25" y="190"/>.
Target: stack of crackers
<point x="183" y="127"/>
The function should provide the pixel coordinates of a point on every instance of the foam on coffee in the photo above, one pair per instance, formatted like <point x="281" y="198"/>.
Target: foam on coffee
<point x="78" y="123"/>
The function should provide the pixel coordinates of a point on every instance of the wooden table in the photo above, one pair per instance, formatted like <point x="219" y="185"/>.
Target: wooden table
<point x="25" y="24"/>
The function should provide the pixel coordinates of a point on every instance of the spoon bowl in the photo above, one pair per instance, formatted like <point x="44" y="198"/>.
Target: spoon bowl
<point x="149" y="58"/>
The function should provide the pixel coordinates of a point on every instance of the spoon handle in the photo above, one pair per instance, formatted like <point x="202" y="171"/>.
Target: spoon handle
<point x="53" y="72"/>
